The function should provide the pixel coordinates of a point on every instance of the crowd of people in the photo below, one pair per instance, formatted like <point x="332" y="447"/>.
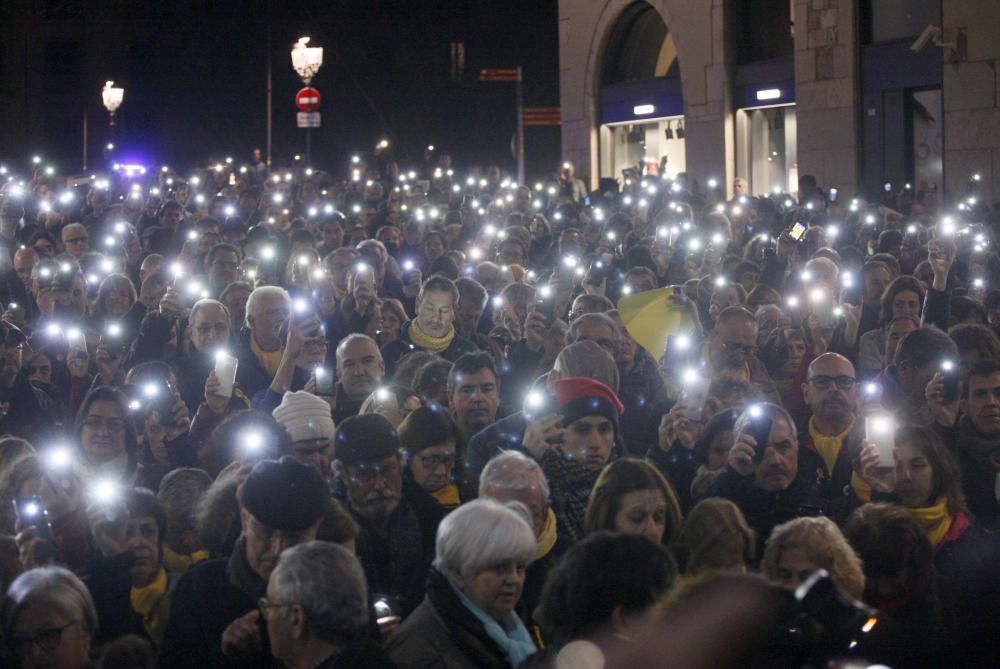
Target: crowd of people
<point x="371" y="417"/>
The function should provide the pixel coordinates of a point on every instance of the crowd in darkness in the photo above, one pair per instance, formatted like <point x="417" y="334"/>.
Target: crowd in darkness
<point x="375" y="417"/>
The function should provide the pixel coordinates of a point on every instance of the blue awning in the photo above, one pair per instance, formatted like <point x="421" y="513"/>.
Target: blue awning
<point x="660" y="97"/>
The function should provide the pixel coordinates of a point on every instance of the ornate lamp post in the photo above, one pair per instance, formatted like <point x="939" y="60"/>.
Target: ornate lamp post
<point x="112" y="97"/>
<point x="306" y="61"/>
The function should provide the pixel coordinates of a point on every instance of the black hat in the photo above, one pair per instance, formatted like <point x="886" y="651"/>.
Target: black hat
<point x="285" y="495"/>
<point x="366" y="437"/>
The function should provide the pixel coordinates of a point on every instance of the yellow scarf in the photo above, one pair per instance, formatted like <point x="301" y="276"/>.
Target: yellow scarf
<point x="153" y="605"/>
<point x="427" y="342"/>
<point x="548" y="537"/>
<point x="270" y="360"/>
<point x="828" y="447"/>
<point x="448" y="496"/>
<point x="934" y="520"/>
<point x="177" y="563"/>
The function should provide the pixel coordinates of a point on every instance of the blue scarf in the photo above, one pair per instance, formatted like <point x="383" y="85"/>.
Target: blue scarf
<point x="512" y="637"/>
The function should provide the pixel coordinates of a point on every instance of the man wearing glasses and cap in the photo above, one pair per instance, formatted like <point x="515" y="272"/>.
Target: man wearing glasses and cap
<point x="216" y="621"/>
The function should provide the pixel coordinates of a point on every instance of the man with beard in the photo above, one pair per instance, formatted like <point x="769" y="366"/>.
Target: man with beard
<point x="359" y="371"/>
<point x="771" y="482"/>
<point x="473" y="393"/>
<point x="833" y="432"/>
<point x="395" y="543"/>
<point x="215" y="620"/>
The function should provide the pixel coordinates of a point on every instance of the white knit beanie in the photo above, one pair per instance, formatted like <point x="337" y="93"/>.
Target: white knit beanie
<point x="305" y="416"/>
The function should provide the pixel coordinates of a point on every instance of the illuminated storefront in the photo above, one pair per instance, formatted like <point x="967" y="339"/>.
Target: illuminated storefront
<point x="766" y="138"/>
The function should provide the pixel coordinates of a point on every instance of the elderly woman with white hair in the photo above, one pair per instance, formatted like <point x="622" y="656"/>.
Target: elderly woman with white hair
<point x="50" y="619"/>
<point x="467" y="618"/>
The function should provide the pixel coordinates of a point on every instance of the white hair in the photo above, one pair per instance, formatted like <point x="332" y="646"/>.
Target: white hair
<point x="327" y="581"/>
<point x="259" y="293"/>
<point x="56" y="589"/>
<point x="513" y="470"/>
<point x="482" y="533"/>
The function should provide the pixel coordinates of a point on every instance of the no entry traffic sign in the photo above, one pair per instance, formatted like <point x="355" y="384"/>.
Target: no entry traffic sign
<point x="307" y="99"/>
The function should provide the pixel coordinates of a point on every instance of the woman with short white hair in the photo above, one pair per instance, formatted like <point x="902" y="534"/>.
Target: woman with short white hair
<point x="467" y="618"/>
<point x="50" y="619"/>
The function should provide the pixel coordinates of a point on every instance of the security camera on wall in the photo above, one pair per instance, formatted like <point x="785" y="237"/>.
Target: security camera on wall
<point x="931" y="34"/>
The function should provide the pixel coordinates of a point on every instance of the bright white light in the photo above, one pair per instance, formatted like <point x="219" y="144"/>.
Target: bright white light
<point x="106" y="491"/>
<point x="643" y="110"/>
<point x="768" y="94"/>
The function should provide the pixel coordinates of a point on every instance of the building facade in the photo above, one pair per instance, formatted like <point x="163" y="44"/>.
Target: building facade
<point x="862" y="94"/>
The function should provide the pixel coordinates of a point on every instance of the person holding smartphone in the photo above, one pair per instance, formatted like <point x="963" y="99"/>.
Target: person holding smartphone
<point x="770" y="478"/>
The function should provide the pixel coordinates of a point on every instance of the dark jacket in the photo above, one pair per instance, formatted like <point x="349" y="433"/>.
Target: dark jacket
<point x="110" y="584"/>
<point x="642" y="393"/>
<point x="32" y="414"/>
<point x="344" y="407"/>
<point x="250" y="374"/>
<point x="974" y="451"/>
<point x="360" y="652"/>
<point x="833" y="486"/>
<point x="396" y="564"/>
<point x="209" y="597"/>
<point x="764" y="510"/>
<point x="503" y="435"/>
<point x="192" y="371"/>
<point x="402" y="344"/>
<point x="442" y="634"/>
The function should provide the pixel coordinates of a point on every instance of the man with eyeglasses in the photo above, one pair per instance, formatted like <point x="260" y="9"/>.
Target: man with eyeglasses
<point x="75" y="240"/>
<point x="222" y="265"/>
<point x="731" y="352"/>
<point x="833" y="431"/>
<point x="396" y="540"/>
<point x="215" y="620"/>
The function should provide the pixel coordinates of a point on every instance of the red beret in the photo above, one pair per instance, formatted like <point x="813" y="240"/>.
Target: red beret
<point x="573" y="388"/>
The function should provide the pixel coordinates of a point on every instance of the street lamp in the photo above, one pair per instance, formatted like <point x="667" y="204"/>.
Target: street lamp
<point x="112" y="97"/>
<point x="306" y="61"/>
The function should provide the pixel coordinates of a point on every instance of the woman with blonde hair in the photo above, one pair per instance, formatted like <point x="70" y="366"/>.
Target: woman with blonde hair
<point x="801" y="546"/>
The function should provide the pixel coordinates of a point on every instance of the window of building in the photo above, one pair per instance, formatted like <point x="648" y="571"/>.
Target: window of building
<point x="893" y="20"/>
<point x="639" y="47"/>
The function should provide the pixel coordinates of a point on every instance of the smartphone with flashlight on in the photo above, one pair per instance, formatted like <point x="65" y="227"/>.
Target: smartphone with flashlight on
<point x="950" y="376"/>
<point x="880" y="429"/>
<point x="833" y="195"/>
<point x="759" y="428"/>
<point x="324" y="381"/>
<point x="113" y="340"/>
<point x="798" y="232"/>
<point x="31" y="514"/>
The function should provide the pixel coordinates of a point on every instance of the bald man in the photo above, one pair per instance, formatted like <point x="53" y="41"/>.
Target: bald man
<point x="834" y="430"/>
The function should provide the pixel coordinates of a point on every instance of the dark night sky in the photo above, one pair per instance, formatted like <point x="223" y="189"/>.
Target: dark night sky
<point x="195" y="78"/>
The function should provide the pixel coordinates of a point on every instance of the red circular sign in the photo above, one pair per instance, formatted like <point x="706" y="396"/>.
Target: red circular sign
<point x="307" y="99"/>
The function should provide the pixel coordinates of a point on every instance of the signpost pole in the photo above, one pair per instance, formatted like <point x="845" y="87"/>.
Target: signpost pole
<point x="519" y="102"/>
